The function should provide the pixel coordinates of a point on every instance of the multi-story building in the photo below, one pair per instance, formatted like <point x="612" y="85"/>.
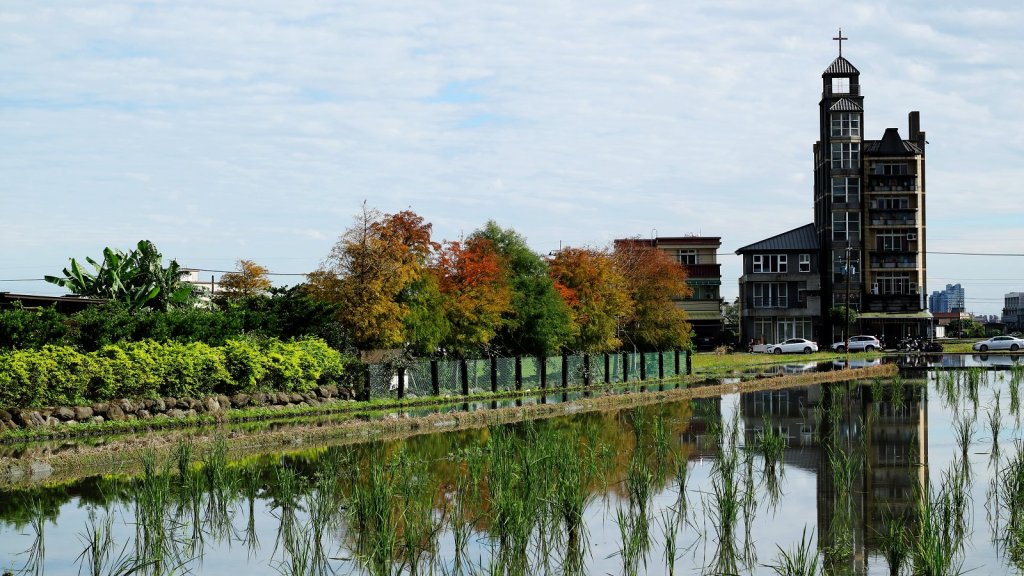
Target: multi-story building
<point x="1013" y="311"/>
<point x="869" y="211"/>
<point x="951" y="299"/>
<point x="780" y="290"/>
<point x="699" y="256"/>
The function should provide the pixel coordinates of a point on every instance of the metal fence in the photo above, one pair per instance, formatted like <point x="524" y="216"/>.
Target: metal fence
<point x="501" y="374"/>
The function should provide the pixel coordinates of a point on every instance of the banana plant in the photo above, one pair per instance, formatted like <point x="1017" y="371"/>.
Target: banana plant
<point x="136" y="278"/>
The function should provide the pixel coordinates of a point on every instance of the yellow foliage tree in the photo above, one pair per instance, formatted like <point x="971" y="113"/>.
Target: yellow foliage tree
<point x="248" y="279"/>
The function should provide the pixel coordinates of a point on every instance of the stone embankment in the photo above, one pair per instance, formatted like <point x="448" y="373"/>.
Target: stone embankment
<point x="164" y="408"/>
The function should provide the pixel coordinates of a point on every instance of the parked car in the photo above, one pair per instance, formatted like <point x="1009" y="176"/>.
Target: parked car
<point x="858" y="344"/>
<point x="1011" y="343"/>
<point x="793" y="346"/>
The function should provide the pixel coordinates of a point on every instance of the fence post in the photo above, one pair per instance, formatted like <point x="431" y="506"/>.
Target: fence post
<point x="494" y="373"/>
<point x="435" y="380"/>
<point x="661" y="365"/>
<point x="625" y="367"/>
<point x="689" y="363"/>
<point x="401" y="382"/>
<point x="643" y="366"/>
<point x="542" y="363"/>
<point x="607" y="368"/>
<point x="586" y="369"/>
<point x="677" y="361"/>
<point x="565" y="370"/>
<point x="366" y="383"/>
<point x="519" y="373"/>
<point x="464" y="374"/>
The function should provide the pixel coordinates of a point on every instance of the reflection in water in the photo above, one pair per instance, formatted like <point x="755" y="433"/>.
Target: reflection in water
<point x="701" y="485"/>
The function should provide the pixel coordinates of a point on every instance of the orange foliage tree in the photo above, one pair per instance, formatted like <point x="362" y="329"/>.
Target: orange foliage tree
<point x="596" y="294"/>
<point x="248" y="279"/>
<point x="654" y="281"/>
<point x="476" y="292"/>
<point x="373" y="272"/>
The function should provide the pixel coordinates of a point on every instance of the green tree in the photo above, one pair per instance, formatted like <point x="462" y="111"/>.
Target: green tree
<point x="538" y="321"/>
<point x="843" y="318"/>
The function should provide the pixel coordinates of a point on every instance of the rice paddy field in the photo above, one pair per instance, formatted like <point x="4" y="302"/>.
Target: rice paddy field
<point x="920" y="473"/>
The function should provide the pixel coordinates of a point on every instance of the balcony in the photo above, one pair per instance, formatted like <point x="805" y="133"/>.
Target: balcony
<point x="892" y="303"/>
<point x="703" y="270"/>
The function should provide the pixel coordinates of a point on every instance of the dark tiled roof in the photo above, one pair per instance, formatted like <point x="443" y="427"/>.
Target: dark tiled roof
<point x="844" y="105"/>
<point x="802" y="238"/>
<point x="840" y="66"/>
<point x="891" y="145"/>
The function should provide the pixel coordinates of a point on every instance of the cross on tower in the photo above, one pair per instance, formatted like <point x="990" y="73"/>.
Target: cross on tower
<point x="840" y="38"/>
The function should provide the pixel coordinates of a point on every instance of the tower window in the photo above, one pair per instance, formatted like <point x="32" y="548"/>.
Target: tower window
<point x="840" y="85"/>
<point x="845" y="226"/>
<point x="846" y="124"/>
<point x="845" y="155"/>
<point x="845" y="189"/>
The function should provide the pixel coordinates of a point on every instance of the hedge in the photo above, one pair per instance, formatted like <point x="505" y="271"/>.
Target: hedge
<point x="61" y="376"/>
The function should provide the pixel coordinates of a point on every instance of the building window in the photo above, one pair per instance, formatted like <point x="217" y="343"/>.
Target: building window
<point x="845" y="226"/>
<point x="805" y="262"/>
<point x="889" y="168"/>
<point x="763" y="329"/>
<point x="845" y="155"/>
<point x="839" y="267"/>
<point x="764" y="263"/>
<point x="840" y="85"/>
<point x="845" y="189"/>
<point x="793" y="328"/>
<point x="770" y="295"/>
<point x="845" y="124"/>
<point x="892" y="203"/>
<point x="686" y="257"/>
<point x="888" y="283"/>
<point x="892" y="241"/>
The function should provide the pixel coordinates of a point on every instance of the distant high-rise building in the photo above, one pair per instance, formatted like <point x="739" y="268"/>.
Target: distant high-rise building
<point x="949" y="300"/>
<point x="1013" y="311"/>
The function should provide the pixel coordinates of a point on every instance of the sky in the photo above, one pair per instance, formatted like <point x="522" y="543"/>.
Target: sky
<point x="246" y="129"/>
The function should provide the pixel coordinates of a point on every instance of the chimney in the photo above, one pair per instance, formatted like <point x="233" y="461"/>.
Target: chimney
<point x="916" y="135"/>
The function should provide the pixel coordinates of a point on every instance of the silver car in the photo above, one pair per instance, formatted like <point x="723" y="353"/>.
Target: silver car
<point x="1011" y="343"/>
<point x="859" y="344"/>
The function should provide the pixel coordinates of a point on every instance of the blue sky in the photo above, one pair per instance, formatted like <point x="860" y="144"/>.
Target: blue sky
<point x="228" y="129"/>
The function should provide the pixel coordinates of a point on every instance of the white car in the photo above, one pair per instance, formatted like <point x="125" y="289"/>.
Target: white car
<point x="793" y="346"/>
<point x="859" y="344"/>
<point x="1011" y="343"/>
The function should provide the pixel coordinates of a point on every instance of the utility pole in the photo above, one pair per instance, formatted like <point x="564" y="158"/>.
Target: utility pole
<point x="850" y="271"/>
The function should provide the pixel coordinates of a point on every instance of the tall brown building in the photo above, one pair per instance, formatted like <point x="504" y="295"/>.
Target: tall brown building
<point x="869" y="212"/>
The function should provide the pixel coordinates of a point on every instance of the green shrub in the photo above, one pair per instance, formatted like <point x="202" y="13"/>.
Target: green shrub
<point x="59" y="375"/>
<point x="243" y="360"/>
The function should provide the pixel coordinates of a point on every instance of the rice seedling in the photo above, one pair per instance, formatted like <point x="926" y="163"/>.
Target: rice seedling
<point x="634" y="533"/>
<point x="995" y="422"/>
<point x="35" y="554"/>
<point x="877" y="393"/>
<point x="669" y="523"/>
<point x="895" y="542"/>
<point x="800" y="561"/>
<point x="156" y="540"/>
<point x="682" y="500"/>
<point x="1013" y="501"/>
<point x="219" y="486"/>
<point x="250" y="487"/>
<point x="937" y="548"/>
<point x="771" y="444"/>
<point x="963" y="433"/>
<point x="897" y="387"/>
<point x="97" y="557"/>
<point x="570" y="499"/>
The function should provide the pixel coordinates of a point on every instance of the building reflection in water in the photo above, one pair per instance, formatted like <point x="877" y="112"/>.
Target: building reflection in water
<point x="883" y="438"/>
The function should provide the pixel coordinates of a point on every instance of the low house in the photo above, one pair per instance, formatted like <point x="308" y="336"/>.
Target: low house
<point x="780" y="290"/>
